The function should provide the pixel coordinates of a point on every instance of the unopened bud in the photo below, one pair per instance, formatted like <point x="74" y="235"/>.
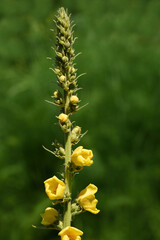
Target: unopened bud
<point x="62" y="30"/>
<point x="55" y="94"/>
<point x="74" y="100"/>
<point x="73" y="70"/>
<point x="72" y="52"/>
<point x="77" y="130"/>
<point x="75" y="135"/>
<point x="73" y="78"/>
<point x="61" y="151"/>
<point x="58" y="98"/>
<point x="67" y="44"/>
<point x="63" y="118"/>
<point x="64" y="59"/>
<point x="75" y="207"/>
<point x="57" y="71"/>
<point x="59" y="54"/>
<point x="62" y="78"/>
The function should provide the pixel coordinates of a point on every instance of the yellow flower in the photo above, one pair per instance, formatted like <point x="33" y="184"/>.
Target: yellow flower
<point x="82" y="157"/>
<point x="49" y="217"/>
<point x="70" y="233"/>
<point x="87" y="200"/>
<point x="54" y="188"/>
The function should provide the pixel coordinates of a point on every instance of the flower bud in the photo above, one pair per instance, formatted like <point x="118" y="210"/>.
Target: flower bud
<point x="67" y="44"/>
<point x="76" y="130"/>
<point x="73" y="78"/>
<point x="63" y="30"/>
<point x="58" y="98"/>
<point x="61" y="151"/>
<point x="59" y="54"/>
<point x="55" y="94"/>
<point x="62" y="78"/>
<point x="63" y="118"/>
<point x="72" y="52"/>
<point x="73" y="70"/>
<point x="74" y="100"/>
<point x="57" y="71"/>
<point x="64" y="59"/>
<point x="75" y="208"/>
<point x="75" y="134"/>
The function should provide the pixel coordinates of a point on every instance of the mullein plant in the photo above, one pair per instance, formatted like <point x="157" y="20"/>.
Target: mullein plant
<point x="59" y="190"/>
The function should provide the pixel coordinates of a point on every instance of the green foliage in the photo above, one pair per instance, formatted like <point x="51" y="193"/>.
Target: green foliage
<point x="120" y="45"/>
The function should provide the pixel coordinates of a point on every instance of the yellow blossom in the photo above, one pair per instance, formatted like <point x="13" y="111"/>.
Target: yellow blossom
<point x="49" y="217"/>
<point x="87" y="200"/>
<point x="82" y="157"/>
<point x="63" y="117"/>
<point x="54" y="188"/>
<point x="70" y="233"/>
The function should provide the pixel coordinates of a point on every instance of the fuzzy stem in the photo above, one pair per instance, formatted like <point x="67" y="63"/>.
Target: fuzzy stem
<point x="67" y="175"/>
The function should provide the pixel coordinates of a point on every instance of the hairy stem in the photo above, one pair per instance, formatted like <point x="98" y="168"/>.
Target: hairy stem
<point x="67" y="175"/>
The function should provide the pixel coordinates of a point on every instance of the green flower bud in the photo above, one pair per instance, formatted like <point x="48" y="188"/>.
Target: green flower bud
<point x="75" y="134"/>
<point x="57" y="71"/>
<point x="59" y="54"/>
<point x="64" y="59"/>
<point x="76" y="130"/>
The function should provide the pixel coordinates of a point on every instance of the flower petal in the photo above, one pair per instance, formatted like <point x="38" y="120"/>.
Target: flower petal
<point x="91" y="189"/>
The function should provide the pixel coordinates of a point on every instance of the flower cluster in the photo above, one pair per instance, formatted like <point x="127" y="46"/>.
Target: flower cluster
<point x="59" y="190"/>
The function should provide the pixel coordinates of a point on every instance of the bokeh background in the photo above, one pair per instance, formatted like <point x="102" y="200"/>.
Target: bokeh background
<point x="120" y="42"/>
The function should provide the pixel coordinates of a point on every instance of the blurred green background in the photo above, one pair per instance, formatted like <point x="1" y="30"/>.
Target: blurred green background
<point x="120" y="42"/>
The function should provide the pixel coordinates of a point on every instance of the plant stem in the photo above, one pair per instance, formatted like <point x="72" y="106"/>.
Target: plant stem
<point x="67" y="175"/>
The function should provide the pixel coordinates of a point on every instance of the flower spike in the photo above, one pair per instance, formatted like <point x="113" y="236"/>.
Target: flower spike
<point x="65" y="97"/>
